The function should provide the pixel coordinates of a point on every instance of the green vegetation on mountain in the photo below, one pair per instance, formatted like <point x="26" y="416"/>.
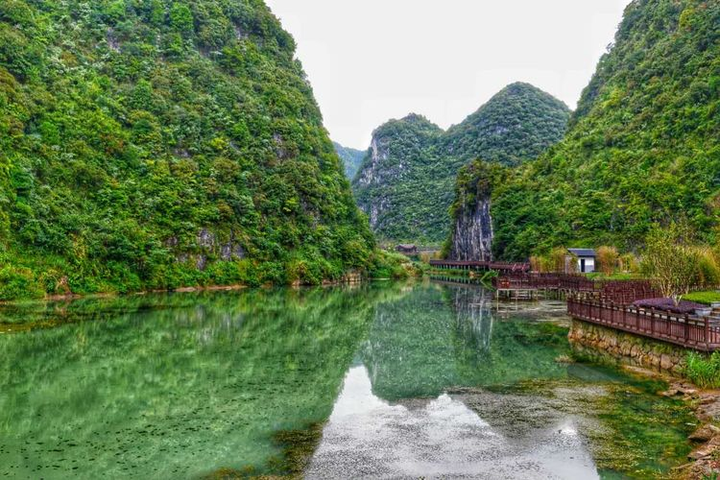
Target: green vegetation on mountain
<point x="351" y="159"/>
<point x="516" y="125"/>
<point x="161" y="143"/>
<point x="643" y="146"/>
<point x="406" y="181"/>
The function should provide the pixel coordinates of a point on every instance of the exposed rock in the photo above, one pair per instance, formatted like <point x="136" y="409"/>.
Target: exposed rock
<point x="201" y="262"/>
<point x="239" y="32"/>
<point x="706" y="449"/>
<point x="112" y="40"/>
<point x="473" y="234"/>
<point x="229" y="251"/>
<point x="665" y="362"/>
<point x="206" y="239"/>
<point x="705" y="433"/>
<point x="710" y="410"/>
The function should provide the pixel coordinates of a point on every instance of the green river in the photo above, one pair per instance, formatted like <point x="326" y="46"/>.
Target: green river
<point x="384" y="380"/>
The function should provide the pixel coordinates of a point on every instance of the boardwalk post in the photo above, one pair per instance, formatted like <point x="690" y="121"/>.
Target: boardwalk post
<point x="707" y="332"/>
<point x="652" y="322"/>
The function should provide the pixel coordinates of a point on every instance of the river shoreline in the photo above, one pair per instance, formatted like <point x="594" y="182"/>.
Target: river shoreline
<point x="705" y="405"/>
<point x="349" y="280"/>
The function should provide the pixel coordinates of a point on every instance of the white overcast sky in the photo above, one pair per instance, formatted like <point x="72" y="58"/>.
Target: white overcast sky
<point x="373" y="60"/>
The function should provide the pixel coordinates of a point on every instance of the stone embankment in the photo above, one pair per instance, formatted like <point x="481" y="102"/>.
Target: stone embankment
<point x="609" y="345"/>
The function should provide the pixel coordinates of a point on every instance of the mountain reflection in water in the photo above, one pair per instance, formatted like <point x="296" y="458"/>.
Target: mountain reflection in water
<point x="402" y="380"/>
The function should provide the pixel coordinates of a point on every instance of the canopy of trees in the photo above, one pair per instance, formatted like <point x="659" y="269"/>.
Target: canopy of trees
<point x="351" y="159"/>
<point x="144" y="141"/>
<point x="643" y="146"/>
<point x="406" y="181"/>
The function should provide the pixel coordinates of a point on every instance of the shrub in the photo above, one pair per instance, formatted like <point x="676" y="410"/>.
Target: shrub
<point x="629" y="263"/>
<point x="561" y="261"/>
<point x="703" y="371"/>
<point x="536" y="264"/>
<point x="708" y="269"/>
<point x="19" y="283"/>
<point x="390" y="265"/>
<point x="608" y="259"/>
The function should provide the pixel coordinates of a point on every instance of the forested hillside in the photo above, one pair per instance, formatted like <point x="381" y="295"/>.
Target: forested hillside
<point x="518" y="124"/>
<point x="160" y="143"/>
<point x="643" y="146"/>
<point x="351" y="159"/>
<point x="406" y="181"/>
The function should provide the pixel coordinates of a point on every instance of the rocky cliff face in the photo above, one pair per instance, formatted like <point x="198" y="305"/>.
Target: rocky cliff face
<point x="473" y="233"/>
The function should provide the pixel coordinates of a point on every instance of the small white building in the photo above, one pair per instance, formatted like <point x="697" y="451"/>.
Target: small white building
<point x="585" y="259"/>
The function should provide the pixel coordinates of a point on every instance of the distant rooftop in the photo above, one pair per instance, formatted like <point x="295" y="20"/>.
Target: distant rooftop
<point x="582" y="252"/>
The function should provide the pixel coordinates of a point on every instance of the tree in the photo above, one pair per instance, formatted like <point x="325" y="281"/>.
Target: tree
<point x="562" y="261"/>
<point x="671" y="260"/>
<point x="608" y="259"/>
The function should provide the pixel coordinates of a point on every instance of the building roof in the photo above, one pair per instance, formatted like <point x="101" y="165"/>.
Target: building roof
<point x="582" y="252"/>
<point x="406" y="246"/>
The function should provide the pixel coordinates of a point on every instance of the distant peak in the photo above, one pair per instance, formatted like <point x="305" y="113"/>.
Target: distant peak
<point x="413" y="121"/>
<point x="415" y="117"/>
<point x="520" y="86"/>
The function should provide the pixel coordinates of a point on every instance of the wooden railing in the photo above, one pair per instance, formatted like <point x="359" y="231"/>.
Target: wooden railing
<point x="470" y="265"/>
<point x="622" y="292"/>
<point x="681" y="329"/>
<point x="552" y="281"/>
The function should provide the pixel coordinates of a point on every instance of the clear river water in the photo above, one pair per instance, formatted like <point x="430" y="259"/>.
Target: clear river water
<point x="385" y="380"/>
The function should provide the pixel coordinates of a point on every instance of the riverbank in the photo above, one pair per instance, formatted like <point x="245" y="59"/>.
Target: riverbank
<point x="348" y="279"/>
<point x="704" y="459"/>
<point x="38" y="280"/>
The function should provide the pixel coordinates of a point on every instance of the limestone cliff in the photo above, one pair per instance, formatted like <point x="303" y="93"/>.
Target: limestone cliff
<point x="395" y="179"/>
<point x="472" y="235"/>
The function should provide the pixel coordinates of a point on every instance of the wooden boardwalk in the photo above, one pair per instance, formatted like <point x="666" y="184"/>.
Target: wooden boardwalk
<point x="608" y="303"/>
<point x="686" y="330"/>
<point x="502" y="267"/>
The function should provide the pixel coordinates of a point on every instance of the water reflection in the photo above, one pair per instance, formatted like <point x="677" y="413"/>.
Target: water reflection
<point x="438" y="337"/>
<point x="175" y="386"/>
<point x="474" y="316"/>
<point x="440" y="437"/>
<point x="434" y="383"/>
